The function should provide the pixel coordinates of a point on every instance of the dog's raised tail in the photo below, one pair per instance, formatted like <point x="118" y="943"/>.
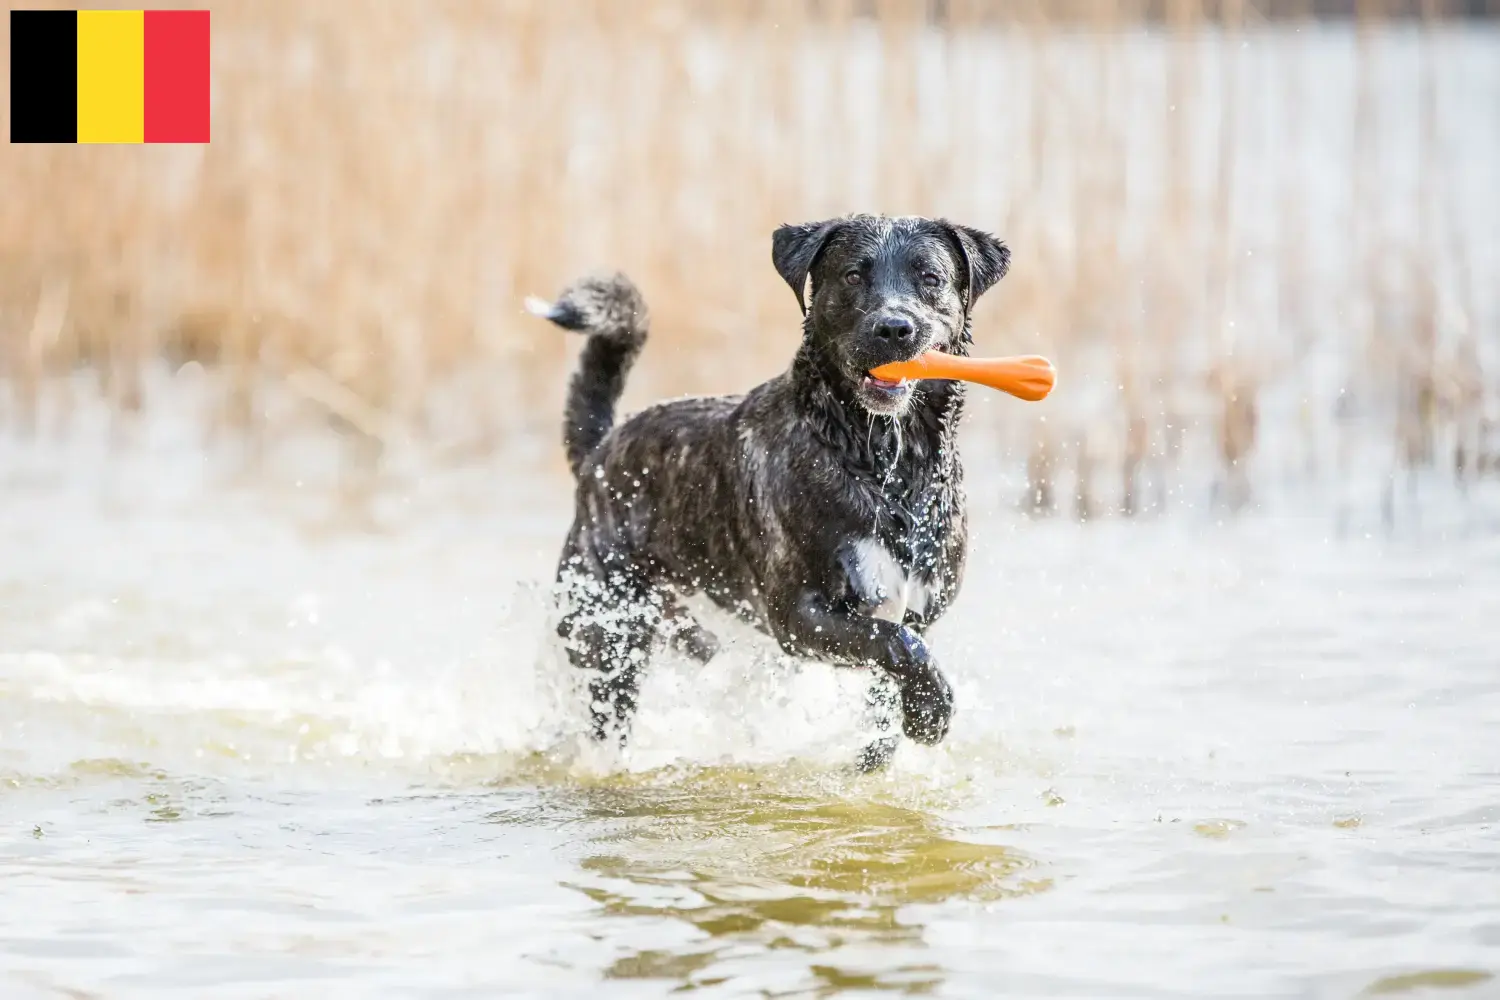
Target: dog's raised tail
<point x="612" y="313"/>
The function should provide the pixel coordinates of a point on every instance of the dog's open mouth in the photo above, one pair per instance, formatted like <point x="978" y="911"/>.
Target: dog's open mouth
<point x="885" y="395"/>
<point x="889" y="387"/>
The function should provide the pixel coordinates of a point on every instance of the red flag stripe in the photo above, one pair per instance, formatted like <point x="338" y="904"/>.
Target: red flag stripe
<point x="177" y="81"/>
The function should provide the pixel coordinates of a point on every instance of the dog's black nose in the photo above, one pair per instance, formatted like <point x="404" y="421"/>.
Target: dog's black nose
<point x="895" y="328"/>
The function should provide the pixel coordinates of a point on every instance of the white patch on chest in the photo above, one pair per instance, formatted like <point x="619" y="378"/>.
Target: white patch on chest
<point x="882" y="576"/>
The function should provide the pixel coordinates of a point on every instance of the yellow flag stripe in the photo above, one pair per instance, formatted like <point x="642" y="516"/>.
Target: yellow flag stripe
<point x="111" y="76"/>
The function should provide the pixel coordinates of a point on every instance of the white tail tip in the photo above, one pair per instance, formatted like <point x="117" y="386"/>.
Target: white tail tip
<point x="539" y="307"/>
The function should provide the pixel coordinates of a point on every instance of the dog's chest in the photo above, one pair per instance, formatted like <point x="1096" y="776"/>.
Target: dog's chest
<point x="879" y="579"/>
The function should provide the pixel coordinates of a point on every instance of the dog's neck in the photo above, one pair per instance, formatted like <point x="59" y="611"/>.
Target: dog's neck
<point x="905" y="468"/>
<point x="903" y="452"/>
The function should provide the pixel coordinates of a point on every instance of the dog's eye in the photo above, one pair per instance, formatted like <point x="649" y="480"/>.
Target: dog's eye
<point x="851" y="277"/>
<point x="931" y="280"/>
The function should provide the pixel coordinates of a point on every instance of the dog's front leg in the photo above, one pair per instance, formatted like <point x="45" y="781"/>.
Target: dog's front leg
<point x="815" y="628"/>
<point x="685" y="634"/>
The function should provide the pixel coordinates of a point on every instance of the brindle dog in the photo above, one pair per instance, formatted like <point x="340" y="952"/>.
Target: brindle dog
<point x="824" y="506"/>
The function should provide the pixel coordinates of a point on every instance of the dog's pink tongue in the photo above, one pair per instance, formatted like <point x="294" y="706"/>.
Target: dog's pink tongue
<point x="886" y="383"/>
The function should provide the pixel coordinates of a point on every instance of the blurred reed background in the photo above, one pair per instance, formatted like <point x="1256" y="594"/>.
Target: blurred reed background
<point x="1258" y="239"/>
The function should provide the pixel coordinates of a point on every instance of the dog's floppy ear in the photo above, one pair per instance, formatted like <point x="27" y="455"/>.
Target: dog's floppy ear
<point x="985" y="258"/>
<point x="794" y="250"/>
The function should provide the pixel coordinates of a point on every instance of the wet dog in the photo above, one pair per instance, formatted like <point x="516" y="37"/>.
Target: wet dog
<point x="824" y="506"/>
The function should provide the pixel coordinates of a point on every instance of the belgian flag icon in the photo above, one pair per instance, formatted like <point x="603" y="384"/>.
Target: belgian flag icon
<point x="121" y="76"/>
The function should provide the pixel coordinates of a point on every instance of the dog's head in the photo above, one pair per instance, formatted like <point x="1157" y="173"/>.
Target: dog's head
<point x="886" y="289"/>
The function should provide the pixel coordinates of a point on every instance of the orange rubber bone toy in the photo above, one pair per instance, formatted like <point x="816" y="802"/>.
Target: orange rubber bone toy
<point x="1028" y="377"/>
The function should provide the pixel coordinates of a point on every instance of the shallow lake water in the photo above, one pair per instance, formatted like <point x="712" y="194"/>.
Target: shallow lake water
<point x="248" y="752"/>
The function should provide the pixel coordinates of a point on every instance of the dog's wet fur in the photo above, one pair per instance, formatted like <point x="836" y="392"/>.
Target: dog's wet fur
<point x="824" y="506"/>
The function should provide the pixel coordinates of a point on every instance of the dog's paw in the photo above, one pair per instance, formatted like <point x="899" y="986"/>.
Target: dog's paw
<point x="926" y="696"/>
<point x="927" y="708"/>
<point x="697" y="642"/>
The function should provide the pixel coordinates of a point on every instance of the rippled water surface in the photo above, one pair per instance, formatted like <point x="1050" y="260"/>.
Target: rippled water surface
<point x="250" y="748"/>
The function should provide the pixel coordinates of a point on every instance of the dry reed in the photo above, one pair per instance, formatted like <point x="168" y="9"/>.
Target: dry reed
<point x="1202" y="204"/>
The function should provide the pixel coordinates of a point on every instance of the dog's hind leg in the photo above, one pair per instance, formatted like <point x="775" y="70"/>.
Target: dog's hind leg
<point x="612" y="698"/>
<point x="611" y="630"/>
<point x="614" y="643"/>
<point x="615" y="637"/>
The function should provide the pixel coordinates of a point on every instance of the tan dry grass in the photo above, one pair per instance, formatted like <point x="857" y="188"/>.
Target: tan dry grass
<point x="387" y="181"/>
